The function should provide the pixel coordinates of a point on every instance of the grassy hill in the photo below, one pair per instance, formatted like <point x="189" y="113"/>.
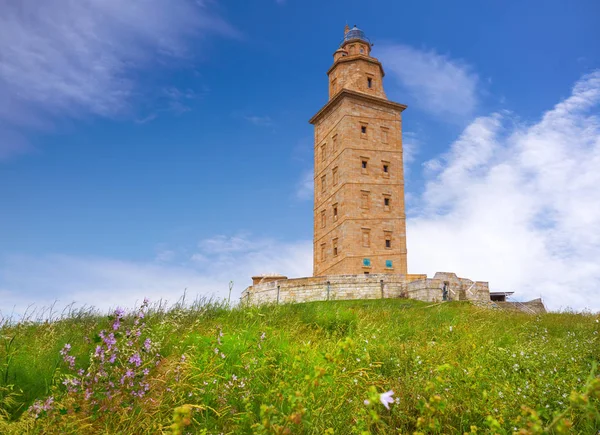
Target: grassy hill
<point x="315" y="368"/>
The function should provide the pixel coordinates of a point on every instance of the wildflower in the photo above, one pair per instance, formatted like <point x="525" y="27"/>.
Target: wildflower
<point x="119" y="312"/>
<point x="222" y="355"/>
<point x="47" y="406"/>
<point x="147" y="344"/>
<point x="366" y="402"/>
<point x="450" y="328"/>
<point x="135" y="359"/>
<point x="263" y="336"/>
<point x="386" y="398"/>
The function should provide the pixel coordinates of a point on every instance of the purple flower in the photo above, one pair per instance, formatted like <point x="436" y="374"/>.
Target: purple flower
<point x="110" y="340"/>
<point x="386" y="398"/>
<point x="135" y="359"/>
<point x="116" y="324"/>
<point x="119" y="312"/>
<point x="147" y="344"/>
<point x="146" y="372"/>
<point x="48" y="404"/>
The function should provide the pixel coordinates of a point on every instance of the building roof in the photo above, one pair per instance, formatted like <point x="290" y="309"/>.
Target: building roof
<point x="355" y="33"/>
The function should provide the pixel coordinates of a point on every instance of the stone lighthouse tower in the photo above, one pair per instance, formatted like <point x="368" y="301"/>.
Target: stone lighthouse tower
<point x="359" y="216"/>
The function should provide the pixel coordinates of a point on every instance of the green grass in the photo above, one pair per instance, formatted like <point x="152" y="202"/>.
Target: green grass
<point x="309" y="368"/>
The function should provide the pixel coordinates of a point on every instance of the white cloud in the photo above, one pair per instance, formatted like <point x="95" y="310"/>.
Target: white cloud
<point x="305" y="186"/>
<point x="518" y="205"/>
<point x="67" y="58"/>
<point x="105" y="283"/>
<point x="440" y="85"/>
<point x="260" y="121"/>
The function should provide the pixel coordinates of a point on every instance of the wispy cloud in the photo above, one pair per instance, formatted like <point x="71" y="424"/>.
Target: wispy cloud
<point x="65" y="58"/>
<point x="105" y="282"/>
<point x="305" y="186"/>
<point x="260" y="121"/>
<point x="437" y="83"/>
<point x="517" y="204"/>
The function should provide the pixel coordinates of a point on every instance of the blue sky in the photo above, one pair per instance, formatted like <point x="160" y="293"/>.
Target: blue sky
<point x="149" y="146"/>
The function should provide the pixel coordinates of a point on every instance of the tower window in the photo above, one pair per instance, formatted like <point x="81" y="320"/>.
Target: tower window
<point x="323" y="152"/>
<point x="323" y="252"/>
<point x="369" y="82"/>
<point x="335" y="176"/>
<point x="389" y="264"/>
<point x="323" y="183"/>
<point x="334" y="144"/>
<point x="386" y="202"/>
<point x="335" y="247"/>
<point x="364" y="164"/>
<point x="388" y="239"/>
<point x="323" y="219"/>
<point x="335" y="212"/>
<point x="363" y="129"/>
<point x="366" y="262"/>
<point x="386" y="168"/>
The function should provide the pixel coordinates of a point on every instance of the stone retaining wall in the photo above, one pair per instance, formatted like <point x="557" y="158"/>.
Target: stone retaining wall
<point x="373" y="286"/>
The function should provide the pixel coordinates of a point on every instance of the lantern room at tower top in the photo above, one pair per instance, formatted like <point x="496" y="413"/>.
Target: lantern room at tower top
<point x="352" y="58"/>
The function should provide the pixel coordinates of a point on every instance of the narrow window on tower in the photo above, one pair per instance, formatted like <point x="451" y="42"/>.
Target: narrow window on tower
<point x="323" y="252"/>
<point x="335" y="212"/>
<point x="334" y="144"/>
<point x="369" y="82"/>
<point x="335" y="247"/>
<point x="323" y="219"/>
<point x="386" y="202"/>
<point x="385" y="167"/>
<point x="388" y="239"/>
<point x="323" y="152"/>
<point x="335" y="176"/>
<point x="363" y="130"/>
<point x="334" y="86"/>
<point x="364" y="164"/>
<point x="366" y="237"/>
<point x="323" y="183"/>
<point x="364" y="199"/>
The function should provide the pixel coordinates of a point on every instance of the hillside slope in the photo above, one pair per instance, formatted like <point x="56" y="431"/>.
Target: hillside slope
<point x="306" y="368"/>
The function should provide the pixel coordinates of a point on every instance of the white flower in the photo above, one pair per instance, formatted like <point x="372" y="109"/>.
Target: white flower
<point x="386" y="398"/>
<point x="367" y="402"/>
<point x="450" y="328"/>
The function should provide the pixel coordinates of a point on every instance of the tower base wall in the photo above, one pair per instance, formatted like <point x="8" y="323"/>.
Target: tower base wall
<point x="372" y="286"/>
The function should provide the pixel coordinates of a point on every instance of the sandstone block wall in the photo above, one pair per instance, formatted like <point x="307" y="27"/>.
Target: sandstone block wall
<point x="347" y="287"/>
